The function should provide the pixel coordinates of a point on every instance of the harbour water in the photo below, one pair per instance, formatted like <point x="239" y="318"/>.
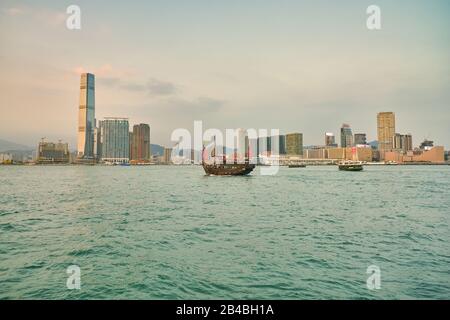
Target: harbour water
<point x="168" y="232"/>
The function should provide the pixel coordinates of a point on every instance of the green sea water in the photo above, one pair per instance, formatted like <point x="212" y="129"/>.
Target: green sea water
<point x="169" y="232"/>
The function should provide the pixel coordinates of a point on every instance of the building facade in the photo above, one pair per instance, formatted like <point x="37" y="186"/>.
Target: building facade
<point x="402" y="142"/>
<point x="346" y="136"/>
<point x="282" y="144"/>
<point x="330" y="140"/>
<point x="360" y="139"/>
<point x="294" y="144"/>
<point x="140" y="143"/>
<point x="86" y="117"/>
<point x="49" y="152"/>
<point x="167" y="157"/>
<point x="433" y="155"/>
<point x="386" y="132"/>
<point x="115" y="139"/>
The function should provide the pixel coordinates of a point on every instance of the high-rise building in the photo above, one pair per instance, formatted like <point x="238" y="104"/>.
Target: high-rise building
<point x="294" y="144"/>
<point x="397" y="142"/>
<point x="130" y="139"/>
<point x="282" y="144"/>
<point x="360" y="139"/>
<point x="407" y="143"/>
<point x="330" y="140"/>
<point x="140" y="143"/>
<point x="97" y="142"/>
<point x="115" y="137"/>
<point x="49" y="152"/>
<point x="386" y="132"/>
<point x="346" y="136"/>
<point x="86" y="117"/>
<point x="402" y="142"/>
<point x="167" y="157"/>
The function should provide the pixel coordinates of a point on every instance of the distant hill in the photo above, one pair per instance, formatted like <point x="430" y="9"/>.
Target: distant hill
<point x="11" y="146"/>
<point x="157" y="149"/>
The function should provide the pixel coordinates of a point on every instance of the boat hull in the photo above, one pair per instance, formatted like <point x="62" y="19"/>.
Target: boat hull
<point x="350" y="167"/>
<point x="228" y="169"/>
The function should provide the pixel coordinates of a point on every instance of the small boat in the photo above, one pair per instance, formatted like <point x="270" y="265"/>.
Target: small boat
<point x="297" y="166"/>
<point x="350" y="166"/>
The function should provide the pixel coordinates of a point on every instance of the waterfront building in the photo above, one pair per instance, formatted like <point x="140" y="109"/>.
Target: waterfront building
<point x="294" y="144"/>
<point x="167" y="157"/>
<point x="115" y="138"/>
<point x="430" y="155"/>
<point x="97" y="142"/>
<point x="6" y="158"/>
<point x="360" y="139"/>
<point x="385" y="130"/>
<point x="362" y="153"/>
<point x="140" y="143"/>
<point x="86" y="117"/>
<point x="336" y="153"/>
<point x="49" y="152"/>
<point x="315" y="152"/>
<point x="346" y="136"/>
<point x="130" y="139"/>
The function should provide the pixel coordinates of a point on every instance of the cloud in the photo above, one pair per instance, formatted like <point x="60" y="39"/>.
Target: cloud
<point x="134" y="87"/>
<point x="194" y="107"/>
<point x="13" y="11"/>
<point x="47" y="17"/>
<point x="152" y="87"/>
<point x="157" y="87"/>
<point x="108" y="81"/>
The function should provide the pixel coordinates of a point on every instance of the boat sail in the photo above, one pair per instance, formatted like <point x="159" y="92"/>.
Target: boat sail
<point x="224" y="168"/>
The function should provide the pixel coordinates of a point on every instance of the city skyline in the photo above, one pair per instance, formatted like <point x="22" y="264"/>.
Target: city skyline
<point x="289" y="73"/>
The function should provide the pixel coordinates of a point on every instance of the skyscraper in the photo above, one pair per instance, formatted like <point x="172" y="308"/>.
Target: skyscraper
<point x="282" y="144"/>
<point x="386" y="132"/>
<point x="115" y="137"/>
<point x="97" y="142"/>
<point x="140" y="143"/>
<point x="330" y="140"/>
<point x="360" y="138"/>
<point x="294" y="144"/>
<point x="86" y="117"/>
<point x="407" y="142"/>
<point x="346" y="136"/>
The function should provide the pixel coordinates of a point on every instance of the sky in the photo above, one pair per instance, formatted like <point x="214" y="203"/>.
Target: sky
<point x="297" y="66"/>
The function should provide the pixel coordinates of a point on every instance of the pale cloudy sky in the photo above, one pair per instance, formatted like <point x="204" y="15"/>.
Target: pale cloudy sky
<point x="305" y="66"/>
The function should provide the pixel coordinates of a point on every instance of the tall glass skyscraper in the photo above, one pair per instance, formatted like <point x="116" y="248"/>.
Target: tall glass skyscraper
<point x="86" y="117"/>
